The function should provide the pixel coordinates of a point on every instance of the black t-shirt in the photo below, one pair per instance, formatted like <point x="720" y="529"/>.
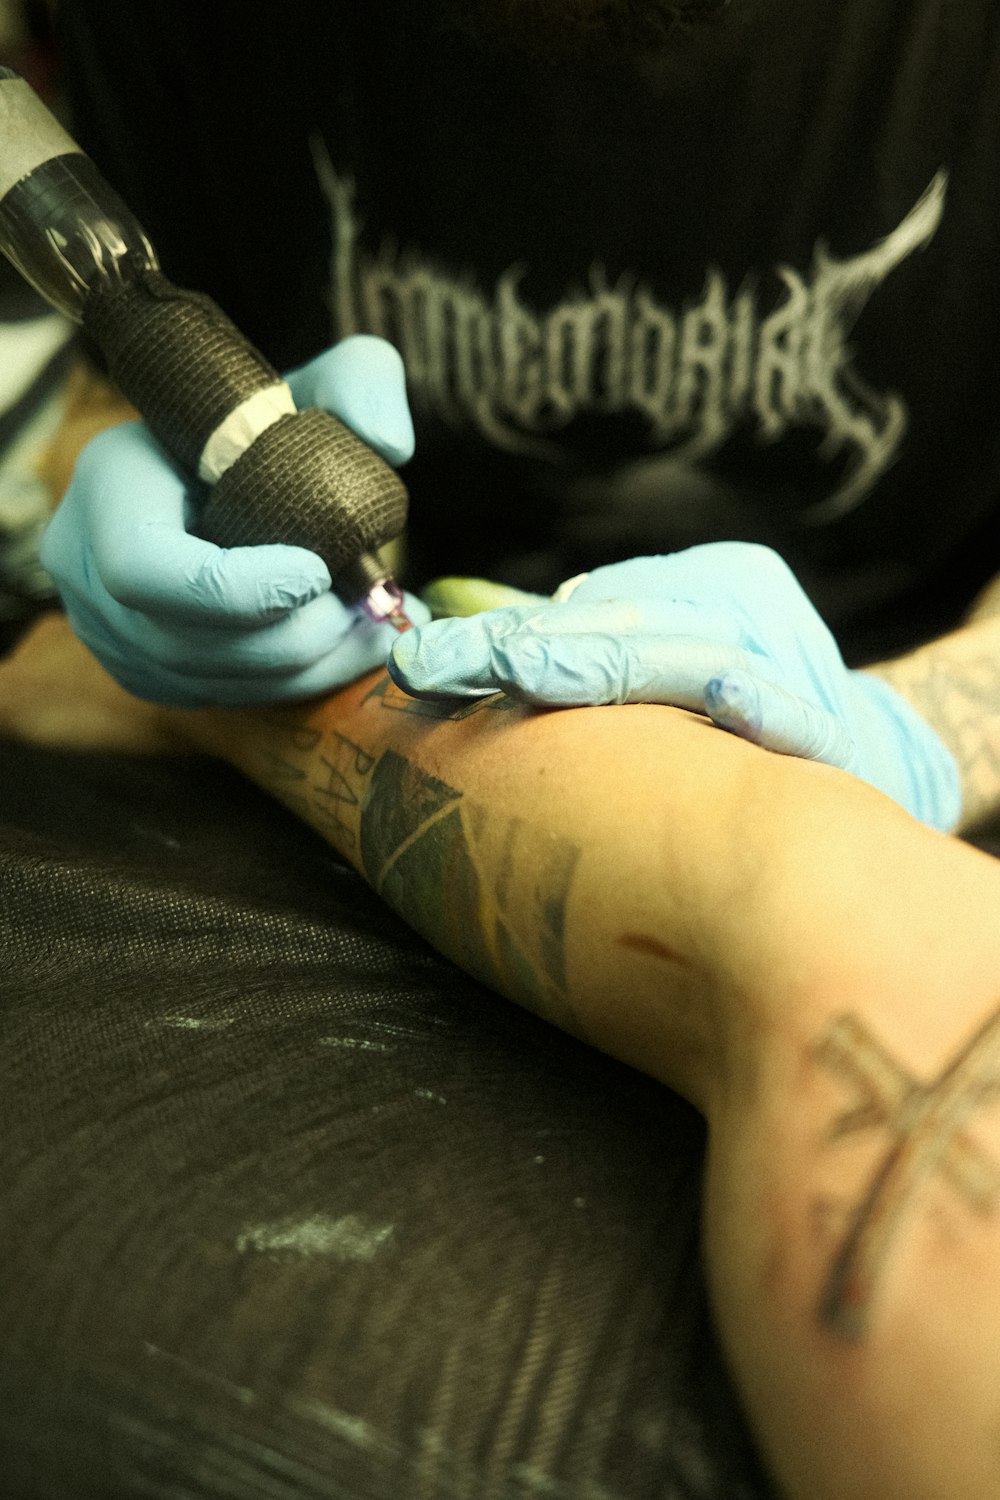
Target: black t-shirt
<point x="746" y="288"/>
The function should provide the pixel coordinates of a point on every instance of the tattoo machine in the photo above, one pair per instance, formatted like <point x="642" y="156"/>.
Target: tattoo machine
<point x="276" y="474"/>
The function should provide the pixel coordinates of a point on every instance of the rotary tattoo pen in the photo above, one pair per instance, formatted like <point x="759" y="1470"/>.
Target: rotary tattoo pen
<point x="275" y="474"/>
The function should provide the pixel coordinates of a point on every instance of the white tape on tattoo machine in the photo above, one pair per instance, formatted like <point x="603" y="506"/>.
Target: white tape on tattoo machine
<point x="275" y="474"/>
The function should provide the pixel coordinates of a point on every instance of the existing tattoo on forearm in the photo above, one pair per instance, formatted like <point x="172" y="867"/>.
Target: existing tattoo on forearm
<point x="925" y="1123"/>
<point x="489" y="890"/>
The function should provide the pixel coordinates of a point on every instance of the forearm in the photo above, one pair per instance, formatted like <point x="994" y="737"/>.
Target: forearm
<point x="570" y="857"/>
<point x="816" y="970"/>
<point x="569" y="860"/>
<point x="954" y="682"/>
<point x="667" y="892"/>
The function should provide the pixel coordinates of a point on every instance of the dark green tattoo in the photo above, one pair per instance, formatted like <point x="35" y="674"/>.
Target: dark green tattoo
<point x="488" y="891"/>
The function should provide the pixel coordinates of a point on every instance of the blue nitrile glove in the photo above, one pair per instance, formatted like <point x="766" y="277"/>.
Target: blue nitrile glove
<point x="722" y="629"/>
<point x="181" y="621"/>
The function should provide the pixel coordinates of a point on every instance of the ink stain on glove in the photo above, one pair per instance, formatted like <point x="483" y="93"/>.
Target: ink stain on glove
<point x="730" y="706"/>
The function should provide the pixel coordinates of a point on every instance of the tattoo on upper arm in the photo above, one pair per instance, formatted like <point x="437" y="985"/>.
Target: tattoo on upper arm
<point x="960" y="699"/>
<point x="488" y="890"/>
<point x="925" y="1123"/>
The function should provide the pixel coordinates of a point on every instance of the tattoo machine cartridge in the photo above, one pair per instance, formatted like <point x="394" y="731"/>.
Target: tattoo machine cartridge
<point x="275" y="474"/>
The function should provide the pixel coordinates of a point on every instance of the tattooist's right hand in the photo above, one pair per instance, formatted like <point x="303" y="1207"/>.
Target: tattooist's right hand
<point x="178" y="620"/>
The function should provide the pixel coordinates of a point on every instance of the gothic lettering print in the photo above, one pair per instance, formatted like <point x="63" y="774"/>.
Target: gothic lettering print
<point x="767" y="361"/>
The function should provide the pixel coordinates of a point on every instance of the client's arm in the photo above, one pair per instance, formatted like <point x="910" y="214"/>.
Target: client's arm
<point x="814" y="969"/>
<point x="819" y="973"/>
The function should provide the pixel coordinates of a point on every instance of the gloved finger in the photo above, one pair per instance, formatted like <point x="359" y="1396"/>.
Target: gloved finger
<point x="279" y="649"/>
<point x="354" y="657"/>
<point x="572" y="672"/>
<point x="361" y="380"/>
<point x="463" y="657"/>
<point x="769" y="715"/>
<point x="228" y="683"/>
<point x="351" y="658"/>
<point x="129" y="505"/>
<point x="453" y="657"/>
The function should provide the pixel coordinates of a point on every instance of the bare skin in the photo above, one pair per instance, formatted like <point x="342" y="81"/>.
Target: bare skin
<point x="816" y="971"/>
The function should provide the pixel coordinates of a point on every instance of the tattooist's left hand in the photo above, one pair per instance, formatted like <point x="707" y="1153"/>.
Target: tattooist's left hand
<point x="723" y="629"/>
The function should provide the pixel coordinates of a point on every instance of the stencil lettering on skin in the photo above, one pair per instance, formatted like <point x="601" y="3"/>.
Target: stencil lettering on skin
<point x="390" y="697"/>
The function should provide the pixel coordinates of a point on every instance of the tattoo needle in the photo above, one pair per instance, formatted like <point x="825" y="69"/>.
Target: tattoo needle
<point x="383" y="603"/>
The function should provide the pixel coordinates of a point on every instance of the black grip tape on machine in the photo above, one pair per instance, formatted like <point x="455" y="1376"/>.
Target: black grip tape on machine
<point x="212" y="400"/>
